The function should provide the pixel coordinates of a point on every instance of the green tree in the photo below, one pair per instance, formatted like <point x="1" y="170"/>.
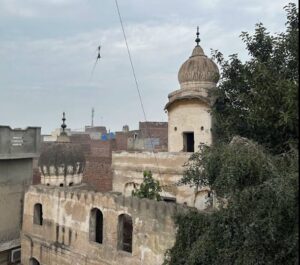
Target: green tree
<point x="259" y="224"/>
<point x="257" y="173"/>
<point x="149" y="189"/>
<point x="258" y="99"/>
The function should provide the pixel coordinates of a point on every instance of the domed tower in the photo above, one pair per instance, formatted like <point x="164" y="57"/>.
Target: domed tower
<point x="189" y="108"/>
<point x="61" y="163"/>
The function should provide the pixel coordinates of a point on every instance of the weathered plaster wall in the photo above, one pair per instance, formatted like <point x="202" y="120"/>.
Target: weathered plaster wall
<point x="167" y="168"/>
<point x="60" y="180"/>
<point x="188" y="116"/>
<point x="64" y="236"/>
<point x="19" y="143"/>
<point x="17" y="149"/>
<point x="15" y="176"/>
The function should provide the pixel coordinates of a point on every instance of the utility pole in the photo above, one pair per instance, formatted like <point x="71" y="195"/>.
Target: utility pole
<point x="93" y="112"/>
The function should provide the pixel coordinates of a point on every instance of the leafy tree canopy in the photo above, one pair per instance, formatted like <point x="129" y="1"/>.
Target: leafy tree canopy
<point x="258" y="99"/>
<point x="149" y="189"/>
<point x="257" y="171"/>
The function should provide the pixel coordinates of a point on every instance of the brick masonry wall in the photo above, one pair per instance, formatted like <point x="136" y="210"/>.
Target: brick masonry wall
<point x="97" y="153"/>
<point x="156" y="130"/>
<point x="98" y="165"/>
<point x="121" y="140"/>
<point x="36" y="175"/>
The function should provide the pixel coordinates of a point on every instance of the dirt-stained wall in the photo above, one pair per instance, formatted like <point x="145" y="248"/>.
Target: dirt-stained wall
<point x="167" y="168"/>
<point x="189" y="116"/>
<point x="63" y="238"/>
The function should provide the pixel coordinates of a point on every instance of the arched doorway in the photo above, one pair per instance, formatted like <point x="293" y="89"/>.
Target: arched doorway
<point x="125" y="229"/>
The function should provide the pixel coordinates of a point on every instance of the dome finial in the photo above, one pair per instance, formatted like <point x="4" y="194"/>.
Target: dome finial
<point x="63" y="126"/>
<point x="197" y="40"/>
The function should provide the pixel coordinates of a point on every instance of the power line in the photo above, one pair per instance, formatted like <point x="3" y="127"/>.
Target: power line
<point x="137" y="86"/>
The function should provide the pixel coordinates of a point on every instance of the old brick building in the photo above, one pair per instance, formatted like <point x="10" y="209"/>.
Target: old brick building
<point x="76" y="225"/>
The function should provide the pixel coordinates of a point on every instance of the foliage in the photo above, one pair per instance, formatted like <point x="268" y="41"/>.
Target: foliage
<point x="257" y="99"/>
<point x="244" y="164"/>
<point x="257" y="171"/>
<point x="259" y="225"/>
<point x="149" y="189"/>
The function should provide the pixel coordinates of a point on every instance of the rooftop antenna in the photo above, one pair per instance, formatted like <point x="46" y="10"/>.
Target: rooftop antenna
<point x="98" y="58"/>
<point x="93" y="112"/>
<point x="197" y="40"/>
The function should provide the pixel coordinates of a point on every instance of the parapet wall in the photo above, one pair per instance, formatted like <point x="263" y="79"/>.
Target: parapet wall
<point x="166" y="167"/>
<point x="19" y="143"/>
<point x="64" y="236"/>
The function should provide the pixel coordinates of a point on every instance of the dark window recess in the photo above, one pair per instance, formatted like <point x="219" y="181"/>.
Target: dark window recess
<point x="38" y="214"/>
<point x="169" y="199"/>
<point x="125" y="233"/>
<point x="61" y="185"/>
<point x="188" y="142"/>
<point x="71" y="184"/>
<point x="96" y="226"/>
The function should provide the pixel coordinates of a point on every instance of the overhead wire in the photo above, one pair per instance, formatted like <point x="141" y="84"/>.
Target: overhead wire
<point x="138" y="90"/>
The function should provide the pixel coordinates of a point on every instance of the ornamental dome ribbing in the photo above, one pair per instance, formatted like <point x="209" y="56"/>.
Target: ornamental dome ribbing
<point x="198" y="68"/>
<point x="61" y="159"/>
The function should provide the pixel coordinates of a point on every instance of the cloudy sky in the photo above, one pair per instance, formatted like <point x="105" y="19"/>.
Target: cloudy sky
<point x="48" y="48"/>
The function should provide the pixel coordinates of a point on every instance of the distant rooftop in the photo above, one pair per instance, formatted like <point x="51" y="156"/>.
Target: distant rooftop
<point x="19" y="143"/>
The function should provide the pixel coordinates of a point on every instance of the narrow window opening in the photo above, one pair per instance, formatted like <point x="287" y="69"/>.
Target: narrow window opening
<point x="188" y="142"/>
<point x="125" y="233"/>
<point x="169" y="199"/>
<point x="71" y="184"/>
<point x="202" y="128"/>
<point x="61" y="185"/>
<point x="96" y="226"/>
<point x="38" y="214"/>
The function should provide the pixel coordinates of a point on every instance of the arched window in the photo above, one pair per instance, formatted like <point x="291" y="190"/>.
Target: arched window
<point x="125" y="229"/>
<point x="33" y="261"/>
<point x="38" y="214"/>
<point x="96" y="226"/>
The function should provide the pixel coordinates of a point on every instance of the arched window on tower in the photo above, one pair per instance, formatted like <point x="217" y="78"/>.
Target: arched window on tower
<point x="38" y="214"/>
<point x="33" y="261"/>
<point x="96" y="226"/>
<point x="125" y="229"/>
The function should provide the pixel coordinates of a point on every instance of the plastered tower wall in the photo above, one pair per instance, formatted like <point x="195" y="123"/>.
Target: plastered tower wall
<point x="64" y="236"/>
<point x="189" y="116"/>
<point x="189" y="108"/>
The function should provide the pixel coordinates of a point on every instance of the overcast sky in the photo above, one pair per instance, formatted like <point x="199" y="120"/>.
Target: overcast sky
<point x="48" y="48"/>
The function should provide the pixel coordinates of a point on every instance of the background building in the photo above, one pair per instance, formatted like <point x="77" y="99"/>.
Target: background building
<point x="18" y="148"/>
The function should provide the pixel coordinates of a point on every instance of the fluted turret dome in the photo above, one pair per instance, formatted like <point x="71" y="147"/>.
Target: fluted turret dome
<point x="198" y="68"/>
<point x="61" y="158"/>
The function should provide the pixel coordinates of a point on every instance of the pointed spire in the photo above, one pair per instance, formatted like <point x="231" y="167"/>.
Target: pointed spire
<point x="63" y="126"/>
<point x="197" y="40"/>
<point x="63" y="136"/>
